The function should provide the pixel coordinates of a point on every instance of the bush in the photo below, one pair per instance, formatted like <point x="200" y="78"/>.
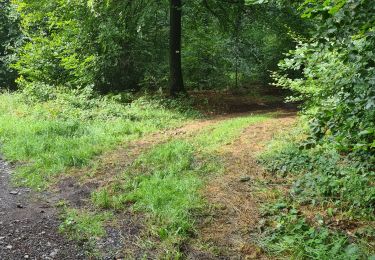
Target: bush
<point x="337" y="83"/>
<point x="293" y="237"/>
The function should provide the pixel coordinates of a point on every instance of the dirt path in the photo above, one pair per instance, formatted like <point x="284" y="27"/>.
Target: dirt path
<point x="29" y="225"/>
<point x="29" y="221"/>
<point x="234" y="214"/>
<point x="76" y="185"/>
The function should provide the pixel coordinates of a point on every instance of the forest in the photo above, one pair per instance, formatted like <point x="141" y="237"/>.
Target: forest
<point x="175" y="129"/>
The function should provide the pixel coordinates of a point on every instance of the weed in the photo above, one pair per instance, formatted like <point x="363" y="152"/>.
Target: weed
<point x="325" y="177"/>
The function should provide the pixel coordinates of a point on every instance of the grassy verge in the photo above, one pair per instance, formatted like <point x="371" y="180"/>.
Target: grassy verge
<point x="164" y="183"/>
<point x="328" y="210"/>
<point x="51" y="130"/>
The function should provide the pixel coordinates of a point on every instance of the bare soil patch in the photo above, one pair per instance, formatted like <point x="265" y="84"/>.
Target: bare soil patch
<point x="29" y="224"/>
<point x="246" y="100"/>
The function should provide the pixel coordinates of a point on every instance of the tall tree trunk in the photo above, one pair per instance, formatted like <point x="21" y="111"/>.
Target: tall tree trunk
<point x="176" y="80"/>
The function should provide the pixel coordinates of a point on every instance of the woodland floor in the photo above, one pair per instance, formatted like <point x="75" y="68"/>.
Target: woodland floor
<point x="29" y="220"/>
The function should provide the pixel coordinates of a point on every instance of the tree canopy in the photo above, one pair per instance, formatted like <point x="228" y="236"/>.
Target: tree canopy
<point x="122" y="45"/>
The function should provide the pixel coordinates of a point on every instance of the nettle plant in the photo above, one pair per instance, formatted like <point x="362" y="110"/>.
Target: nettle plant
<point x="337" y="83"/>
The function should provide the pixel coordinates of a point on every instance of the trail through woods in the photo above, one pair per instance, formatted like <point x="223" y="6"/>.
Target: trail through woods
<point x="29" y="220"/>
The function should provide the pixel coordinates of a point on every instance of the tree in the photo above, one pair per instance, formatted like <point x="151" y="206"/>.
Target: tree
<point x="176" y="80"/>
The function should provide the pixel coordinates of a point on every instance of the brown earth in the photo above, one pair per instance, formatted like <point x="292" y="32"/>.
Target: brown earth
<point x="29" y="225"/>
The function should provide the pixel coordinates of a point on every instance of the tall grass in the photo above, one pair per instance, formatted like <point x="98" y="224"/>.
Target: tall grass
<point x="50" y="131"/>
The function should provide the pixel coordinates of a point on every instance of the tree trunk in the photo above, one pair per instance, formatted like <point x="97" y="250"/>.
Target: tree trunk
<point x="176" y="80"/>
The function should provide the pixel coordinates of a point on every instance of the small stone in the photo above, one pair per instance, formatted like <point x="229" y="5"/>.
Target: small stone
<point x="13" y="192"/>
<point x="9" y="247"/>
<point x="244" y="179"/>
<point x="19" y="205"/>
<point x="26" y="256"/>
<point x="54" y="253"/>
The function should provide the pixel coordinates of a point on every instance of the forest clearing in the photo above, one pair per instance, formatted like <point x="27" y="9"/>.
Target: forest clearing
<point x="187" y="129"/>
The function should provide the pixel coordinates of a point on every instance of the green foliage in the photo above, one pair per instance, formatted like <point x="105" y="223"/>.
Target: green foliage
<point x="80" y="43"/>
<point x="225" y="43"/>
<point x="50" y="129"/>
<point x="325" y="178"/>
<point x="331" y="163"/>
<point x="338" y="71"/>
<point x="122" y="45"/>
<point x="338" y="187"/>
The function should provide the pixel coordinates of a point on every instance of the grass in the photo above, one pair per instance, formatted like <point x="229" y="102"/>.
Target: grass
<point x="165" y="182"/>
<point x="226" y="131"/>
<point x="50" y="131"/>
<point x="68" y="128"/>
<point x="162" y="182"/>
<point x="83" y="225"/>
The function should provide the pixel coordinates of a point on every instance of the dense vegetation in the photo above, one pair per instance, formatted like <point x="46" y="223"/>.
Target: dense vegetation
<point x="330" y="161"/>
<point x="122" y="45"/>
<point x="80" y="77"/>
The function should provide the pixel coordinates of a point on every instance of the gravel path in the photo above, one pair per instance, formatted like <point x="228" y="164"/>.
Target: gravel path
<point x="29" y="225"/>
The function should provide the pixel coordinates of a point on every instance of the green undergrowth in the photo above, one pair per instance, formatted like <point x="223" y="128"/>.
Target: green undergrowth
<point x="165" y="182"/>
<point x="291" y="235"/>
<point x="50" y="129"/>
<point x="328" y="212"/>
